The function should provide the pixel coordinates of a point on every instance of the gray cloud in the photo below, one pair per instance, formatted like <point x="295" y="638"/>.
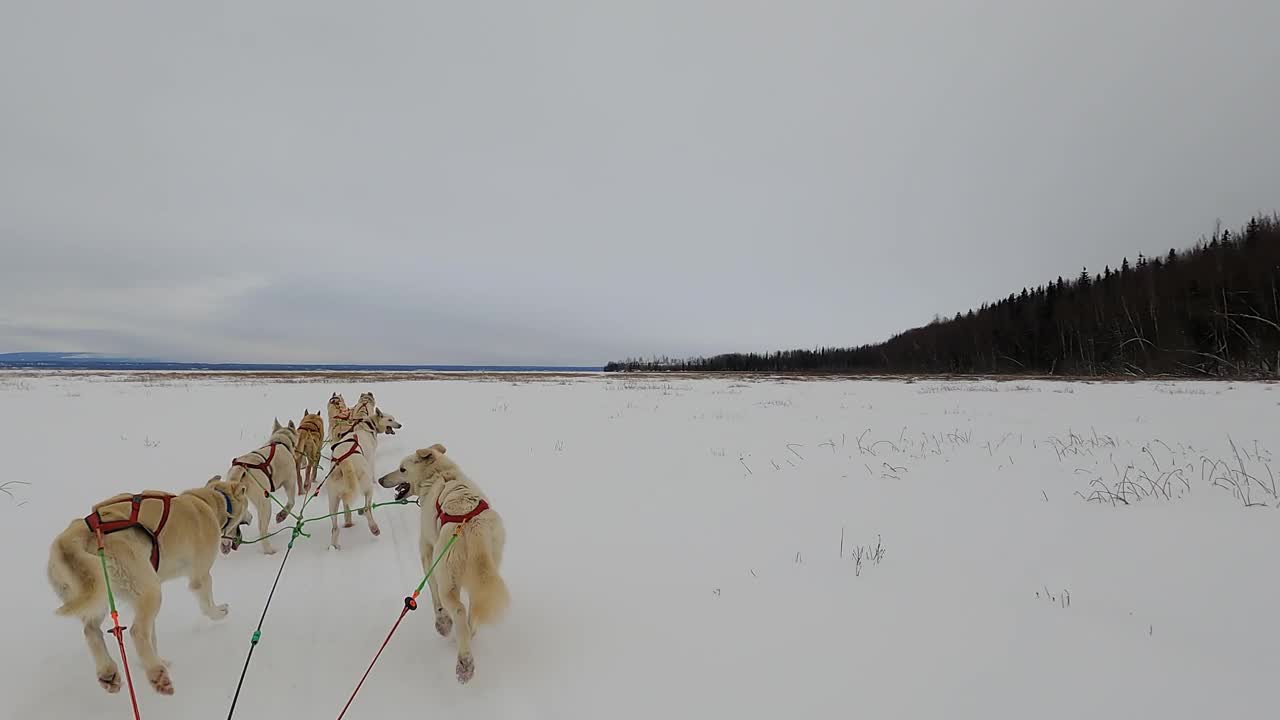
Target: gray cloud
<point x="400" y="182"/>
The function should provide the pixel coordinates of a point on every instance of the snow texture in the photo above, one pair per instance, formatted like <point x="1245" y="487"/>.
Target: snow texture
<point x="702" y="548"/>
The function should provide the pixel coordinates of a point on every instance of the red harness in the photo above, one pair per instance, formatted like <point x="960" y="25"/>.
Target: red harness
<point x="354" y="440"/>
<point x="446" y="518"/>
<point x="264" y="466"/>
<point x="98" y="527"/>
<point x="355" y="448"/>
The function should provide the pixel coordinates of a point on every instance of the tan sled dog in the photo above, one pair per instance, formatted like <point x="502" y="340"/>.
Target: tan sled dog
<point x="338" y="411"/>
<point x="266" y="470"/>
<point x="169" y="536"/>
<point x="451" y="503"/>
<point x="351" y="470"/>
<point x="310" y="442"/>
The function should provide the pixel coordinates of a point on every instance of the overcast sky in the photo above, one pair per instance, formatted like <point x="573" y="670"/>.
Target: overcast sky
<point x="555" y="182"/>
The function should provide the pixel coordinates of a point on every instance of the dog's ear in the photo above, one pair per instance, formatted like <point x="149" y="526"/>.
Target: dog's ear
<point x="427" y="454"/>
<point x="275" y="424"/>
<point x="213" y="480"/>
<point x="291" y="426"/>
<point x="438" y="448"/>
<point x="377" y="412"/>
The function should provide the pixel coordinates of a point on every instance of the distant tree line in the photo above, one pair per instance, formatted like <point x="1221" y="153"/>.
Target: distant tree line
<point x="1212" y="310"/>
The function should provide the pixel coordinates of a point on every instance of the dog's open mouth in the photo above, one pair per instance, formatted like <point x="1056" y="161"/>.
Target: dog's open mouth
<point x="402" y="491"/>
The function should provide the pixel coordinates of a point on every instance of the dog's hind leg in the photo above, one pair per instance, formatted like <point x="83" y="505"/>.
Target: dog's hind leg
<point x="333" y="516"/>
<point x="108" y="673"/>
<point x="146" y="607"/>
<point x="466" y="667"/>
<point x="368" y="513"/>
<point x="262" y="505"/>
<point x="288" y="507"/>
<point x="444" y="623"/>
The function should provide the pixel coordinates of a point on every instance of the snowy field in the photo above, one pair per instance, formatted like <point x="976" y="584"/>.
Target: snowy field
<point x="703" y="548"/>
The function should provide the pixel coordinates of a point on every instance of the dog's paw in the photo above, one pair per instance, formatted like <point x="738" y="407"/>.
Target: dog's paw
<point x="280" y="516"/>
<point x="160" y="681"/>
<point x="219" y="612"/>
<point x="267" y="549"/>
<point x="466" y="668"/>
<point x="348" y="523"/>
<point x="110" y="681"/>
<point x="375" y="530"/>
<point x="444" y="623"/>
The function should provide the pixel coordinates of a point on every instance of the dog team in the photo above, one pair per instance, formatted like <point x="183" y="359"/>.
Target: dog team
<point x="152" y="537"/>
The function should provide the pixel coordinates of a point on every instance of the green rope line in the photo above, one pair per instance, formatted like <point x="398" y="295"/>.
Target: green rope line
<point x="111" y="599"/>
<point x="116" y="629"/>
<point x="323" y="517"/>
<point x="375" y="505"/>
<point x="432" y="569"/>
<point x="275" y="499"/>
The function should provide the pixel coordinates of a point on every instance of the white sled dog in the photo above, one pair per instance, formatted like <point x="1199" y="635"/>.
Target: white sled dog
<point x="451" y="502"/>
<point x="269" y="468"/>
<point x="148" y="539"/>
<point x="351" y="470"/>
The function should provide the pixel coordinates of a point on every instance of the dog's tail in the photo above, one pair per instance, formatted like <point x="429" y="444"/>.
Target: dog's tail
<point x="485" y="587"/>
<point x="74" y="572"/>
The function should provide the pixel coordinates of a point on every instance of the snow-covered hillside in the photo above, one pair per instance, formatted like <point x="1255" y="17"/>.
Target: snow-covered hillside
<point x="703" y="548"/>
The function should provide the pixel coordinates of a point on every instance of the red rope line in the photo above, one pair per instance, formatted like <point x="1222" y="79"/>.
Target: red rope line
<point x="128" y="676"/>
<point x="410" y="603"/>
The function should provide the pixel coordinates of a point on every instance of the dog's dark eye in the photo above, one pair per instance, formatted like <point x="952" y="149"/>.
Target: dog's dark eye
<point x="401" y="468"/>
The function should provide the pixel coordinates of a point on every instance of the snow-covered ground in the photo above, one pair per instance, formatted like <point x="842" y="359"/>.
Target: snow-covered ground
<point x="704" y="548"/>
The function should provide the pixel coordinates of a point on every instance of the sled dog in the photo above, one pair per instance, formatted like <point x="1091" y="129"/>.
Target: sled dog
<point x="310" y="442"/>
<point x="338" y="411"/>
<point x="266" y="470"/>
<point x="148" y="539"/>
<point x="351" y="471"/>
<point x="451" y="503"/>
<point x="364" y="406"/>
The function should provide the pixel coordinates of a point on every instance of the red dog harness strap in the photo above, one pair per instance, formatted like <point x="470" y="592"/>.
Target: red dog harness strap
<point x="355" y="448"/>
<point x="105" y="527"/>
<point x="446" y="518"/>
<point x="264" y="466"/>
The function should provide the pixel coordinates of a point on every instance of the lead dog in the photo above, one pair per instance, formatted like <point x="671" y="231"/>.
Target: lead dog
<point x="174" y="536"/>
<point x="352" y="469"/>
<point x="452" y="502"/>
<point x="338" y="411"/>
<point x="364" y="406"/>
<point x="269" y="468"/>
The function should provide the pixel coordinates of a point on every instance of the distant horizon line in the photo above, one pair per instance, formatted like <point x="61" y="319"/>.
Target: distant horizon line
<point x="97" y="361"/>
